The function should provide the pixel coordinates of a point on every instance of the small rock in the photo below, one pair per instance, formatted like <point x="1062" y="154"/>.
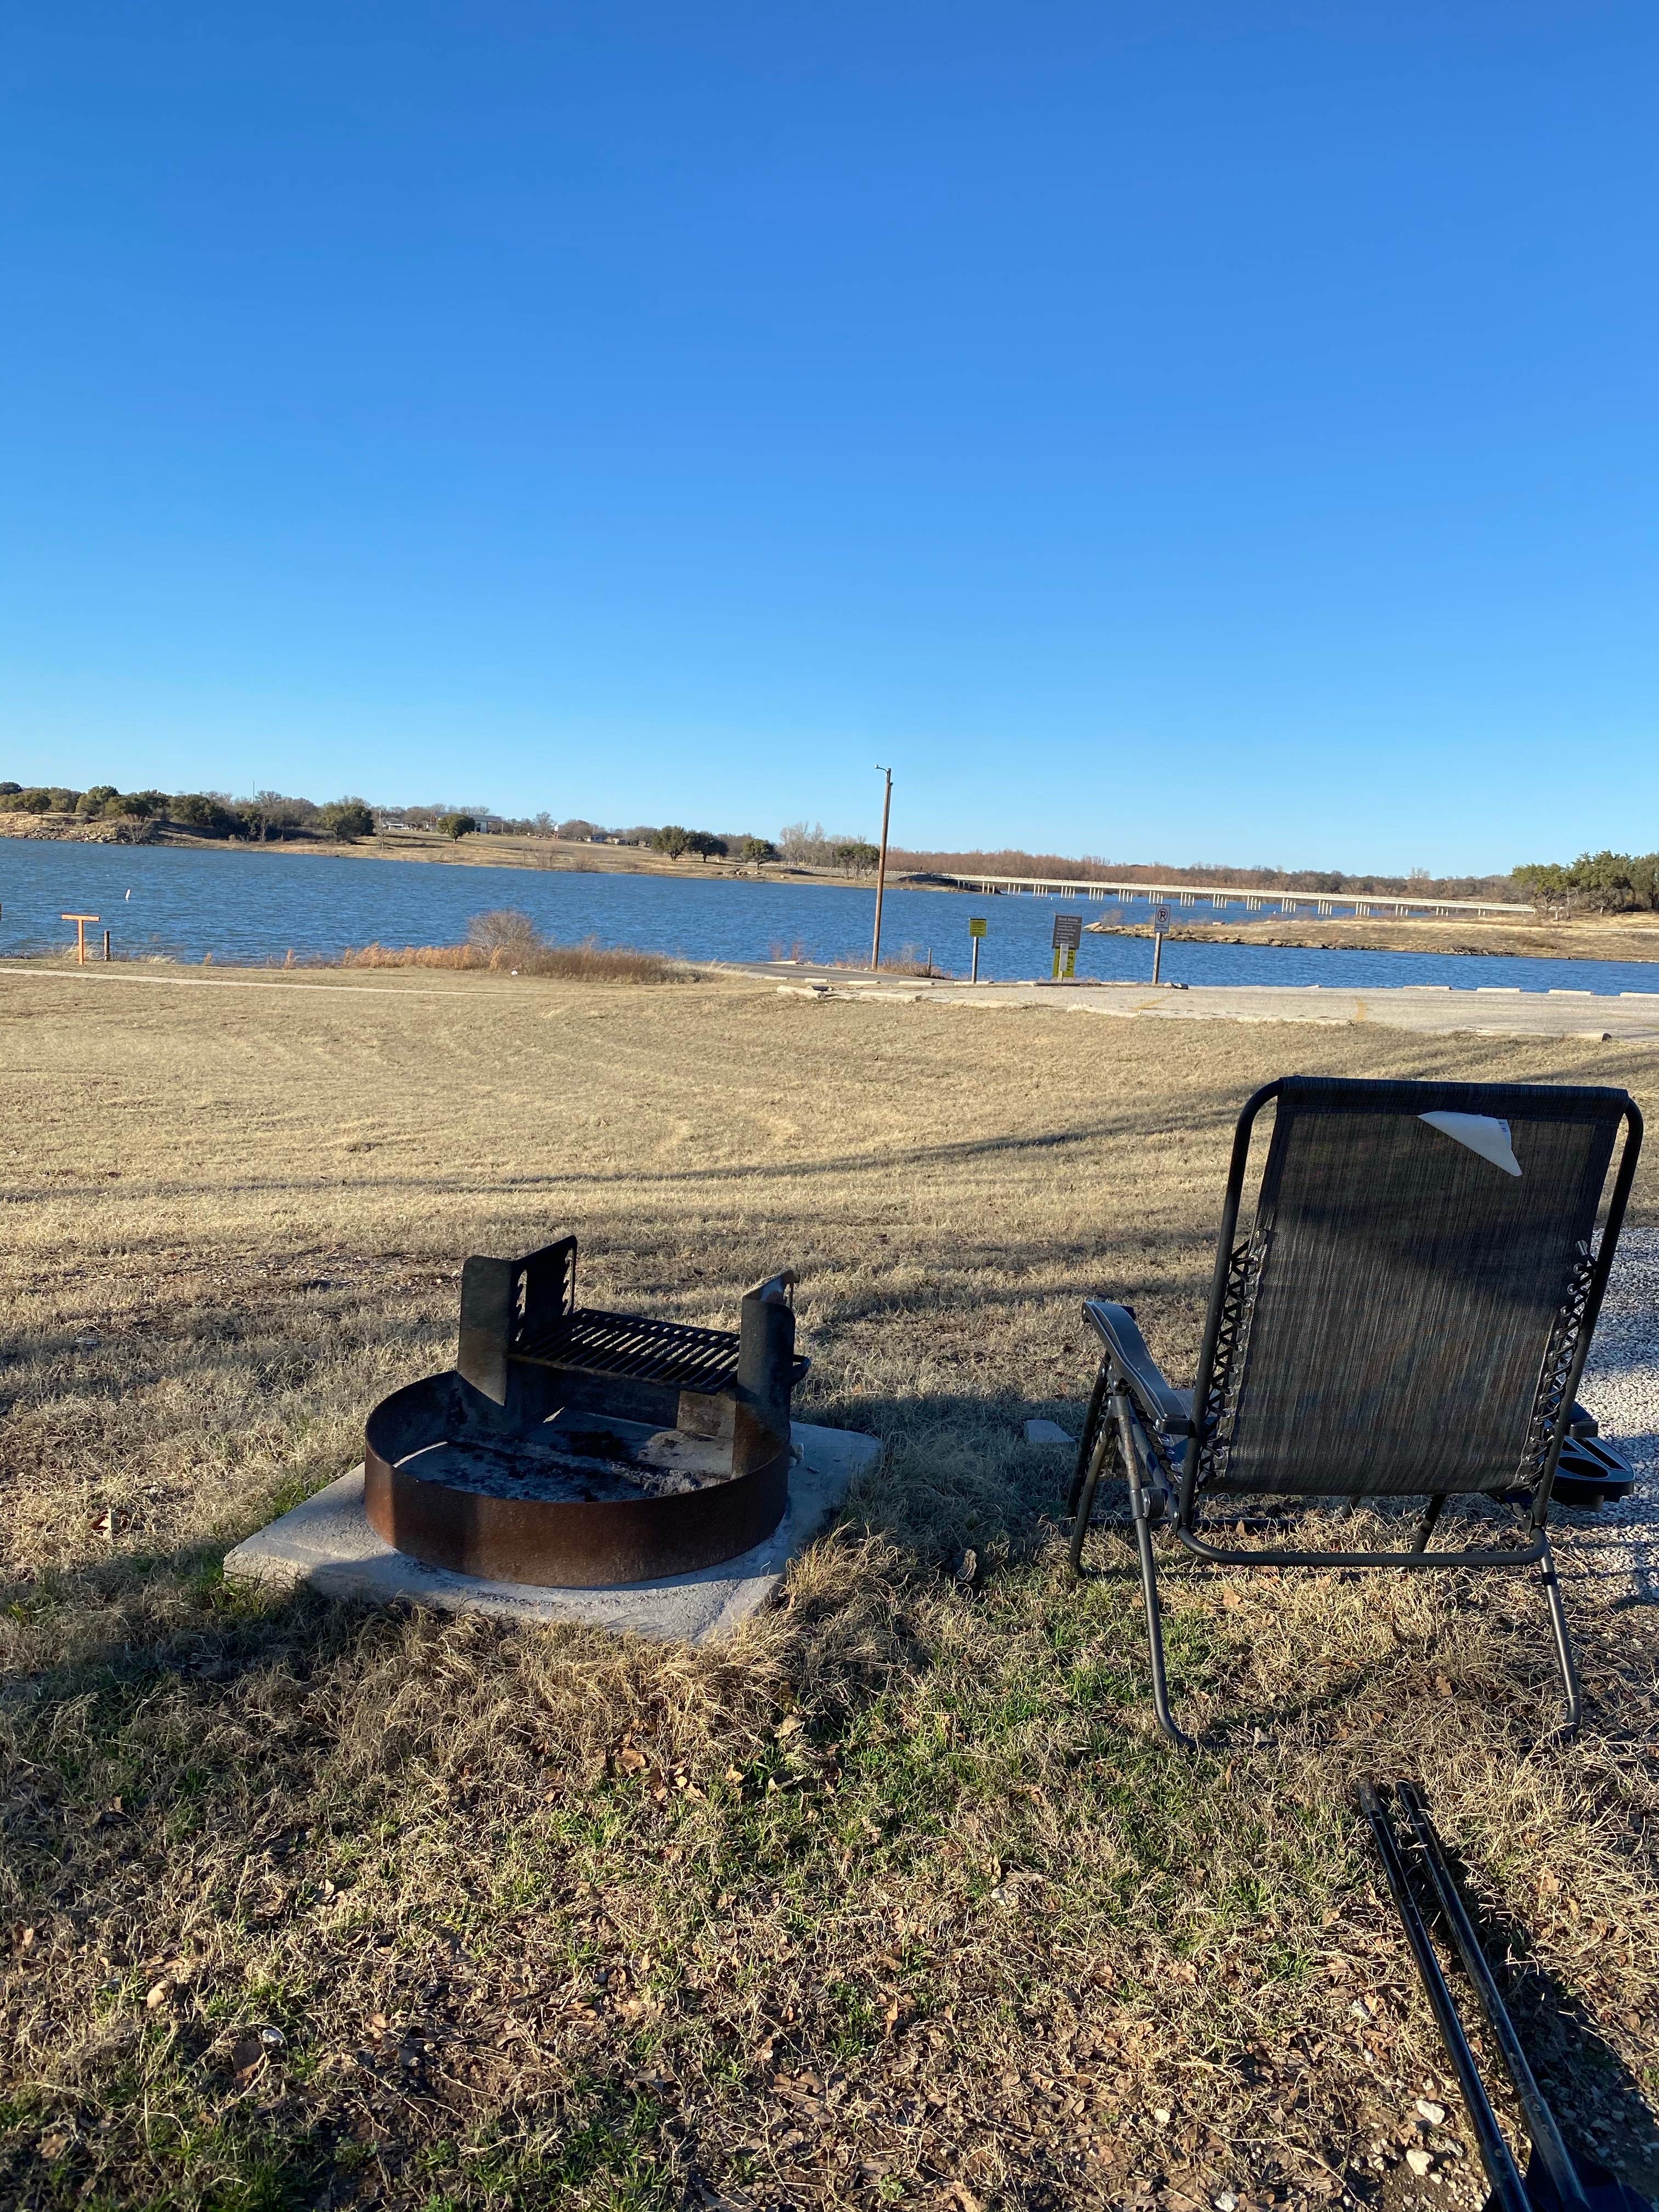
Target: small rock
<point x="1428" y="2110"/>
<point x="158" y="1995"/>
<point x="1420" y="2162"/>
<point x="1048" y="1433"/>
<point x="1161" y="2116"/>
<point x="1226" y="2203"/>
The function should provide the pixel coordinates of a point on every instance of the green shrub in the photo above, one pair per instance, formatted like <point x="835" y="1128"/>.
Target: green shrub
<point x="346" y="818"/>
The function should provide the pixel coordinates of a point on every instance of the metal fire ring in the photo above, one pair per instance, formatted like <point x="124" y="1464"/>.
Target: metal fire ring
<point x="536" y="1371"/>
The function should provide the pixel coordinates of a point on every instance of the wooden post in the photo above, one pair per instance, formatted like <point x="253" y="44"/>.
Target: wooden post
<point x="881" y="864"/>
<point x="80" y="921"/>
<point x="107" y="948"/>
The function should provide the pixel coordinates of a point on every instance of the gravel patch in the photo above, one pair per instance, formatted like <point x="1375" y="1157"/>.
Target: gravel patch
<point x="1621" y="1389"/>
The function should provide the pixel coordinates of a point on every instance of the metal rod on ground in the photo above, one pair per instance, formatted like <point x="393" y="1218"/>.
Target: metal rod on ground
<point x="1509" y="2192"/>
<point x="1546" y="2142"/>
<point x="881" y="864"/>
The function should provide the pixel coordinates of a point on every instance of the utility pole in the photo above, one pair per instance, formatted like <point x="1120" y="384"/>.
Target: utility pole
<point x="881" y="864"/>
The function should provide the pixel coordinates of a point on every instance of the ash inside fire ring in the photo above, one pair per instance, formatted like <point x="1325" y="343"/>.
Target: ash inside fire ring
<point x="572" y="1466"/>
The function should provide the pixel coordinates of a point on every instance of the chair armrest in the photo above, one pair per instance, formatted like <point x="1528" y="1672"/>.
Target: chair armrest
<point x="1166" y="1407"/>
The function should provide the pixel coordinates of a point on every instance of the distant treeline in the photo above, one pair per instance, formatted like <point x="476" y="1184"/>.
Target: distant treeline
<point x="1603" y="883"/>
<point x="271" y="817"/>
<point x="1092" y="869"/>
<point x="204" y="813"/>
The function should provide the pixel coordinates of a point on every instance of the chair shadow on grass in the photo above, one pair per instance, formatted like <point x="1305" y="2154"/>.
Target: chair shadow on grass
<point x="1305" y="1521"/>
<point x="957" y="1472"/>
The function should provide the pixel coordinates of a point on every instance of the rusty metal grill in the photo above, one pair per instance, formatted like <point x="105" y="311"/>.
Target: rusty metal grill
<point x="672" y="1353"/>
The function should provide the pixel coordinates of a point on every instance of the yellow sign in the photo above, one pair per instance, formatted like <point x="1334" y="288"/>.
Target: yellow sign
<point x="976" y="926"/>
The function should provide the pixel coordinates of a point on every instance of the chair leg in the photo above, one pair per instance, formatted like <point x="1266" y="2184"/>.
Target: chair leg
<point x="1436" y="1507"/>
<point x="1140" y="1505"/>
<point x="1563" y="1642"/>
<point x="1155" y="1634"/>
<point x="1086" y="1454"/>
<point x="1084" y="1502"/>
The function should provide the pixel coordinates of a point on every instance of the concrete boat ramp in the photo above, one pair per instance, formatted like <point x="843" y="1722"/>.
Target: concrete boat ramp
<point x="1438" y="1009"/>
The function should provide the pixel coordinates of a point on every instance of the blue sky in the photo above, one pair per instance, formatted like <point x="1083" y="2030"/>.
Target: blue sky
<point x="1189" y="433"/>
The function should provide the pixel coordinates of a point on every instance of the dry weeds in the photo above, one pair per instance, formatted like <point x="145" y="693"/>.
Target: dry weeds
<point x="893" y="1899"/>
<point x="507" y="942"/>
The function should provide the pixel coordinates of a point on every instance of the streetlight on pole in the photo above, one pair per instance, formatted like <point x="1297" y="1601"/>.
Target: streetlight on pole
<point x="881" y="864"/>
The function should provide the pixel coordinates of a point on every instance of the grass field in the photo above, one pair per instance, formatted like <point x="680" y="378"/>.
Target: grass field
<point x="892" y="1900"/>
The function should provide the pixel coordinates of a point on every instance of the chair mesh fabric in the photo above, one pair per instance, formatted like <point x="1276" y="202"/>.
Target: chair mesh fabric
<point x="1407" y="1306"/>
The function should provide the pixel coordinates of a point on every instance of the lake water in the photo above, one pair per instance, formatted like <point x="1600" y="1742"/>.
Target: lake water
<point x="252" y="906"/>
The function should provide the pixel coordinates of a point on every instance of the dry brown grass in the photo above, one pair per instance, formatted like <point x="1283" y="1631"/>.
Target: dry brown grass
<point x="893" y="1899"/>
<point x="507" y="942"/>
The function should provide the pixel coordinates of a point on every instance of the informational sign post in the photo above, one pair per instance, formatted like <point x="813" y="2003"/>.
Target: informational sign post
<point x="1068" y="935"/>
<point x="1160" y="930"/>
<point x="976" y="930"/>
<point x="81" y="921"/>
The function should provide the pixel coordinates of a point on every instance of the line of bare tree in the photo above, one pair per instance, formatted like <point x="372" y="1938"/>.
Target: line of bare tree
<point x="1091" y="868"/>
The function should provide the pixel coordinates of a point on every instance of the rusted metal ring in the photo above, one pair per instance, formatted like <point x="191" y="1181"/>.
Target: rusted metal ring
<point x="559" y="1543"/>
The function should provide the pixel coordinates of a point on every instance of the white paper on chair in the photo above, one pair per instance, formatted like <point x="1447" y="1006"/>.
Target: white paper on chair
<point x="1482" y="1133"/>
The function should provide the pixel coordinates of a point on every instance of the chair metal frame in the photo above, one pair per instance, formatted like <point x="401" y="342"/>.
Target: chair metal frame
<point x="1160" y="1441"/>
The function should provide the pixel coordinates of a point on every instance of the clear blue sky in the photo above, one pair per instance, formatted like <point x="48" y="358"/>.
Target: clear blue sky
<point x="1177" y="432"/>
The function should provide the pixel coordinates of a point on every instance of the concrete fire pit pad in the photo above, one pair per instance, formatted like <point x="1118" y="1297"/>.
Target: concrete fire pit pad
<point x="327" y="1544"/>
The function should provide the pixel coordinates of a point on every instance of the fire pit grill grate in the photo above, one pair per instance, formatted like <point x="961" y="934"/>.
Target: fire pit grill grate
<point x="672" y="1353"/>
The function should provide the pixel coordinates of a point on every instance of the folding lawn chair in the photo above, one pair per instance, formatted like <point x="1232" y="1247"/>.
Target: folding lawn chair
<point x="1408" y="1315"/>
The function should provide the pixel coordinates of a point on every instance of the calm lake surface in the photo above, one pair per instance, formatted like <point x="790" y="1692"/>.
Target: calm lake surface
<point x="252" y="906"/>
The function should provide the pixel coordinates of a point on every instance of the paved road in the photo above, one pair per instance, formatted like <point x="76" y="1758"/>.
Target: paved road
<point x="1424" y="1007"/>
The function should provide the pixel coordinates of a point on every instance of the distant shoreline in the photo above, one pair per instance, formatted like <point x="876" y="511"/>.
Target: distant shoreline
<point x="481" y="848"/>
<point x="1623" y="938"/>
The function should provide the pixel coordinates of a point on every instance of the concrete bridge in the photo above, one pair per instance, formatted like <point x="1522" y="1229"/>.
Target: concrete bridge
<point x="1219" y="896"/>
